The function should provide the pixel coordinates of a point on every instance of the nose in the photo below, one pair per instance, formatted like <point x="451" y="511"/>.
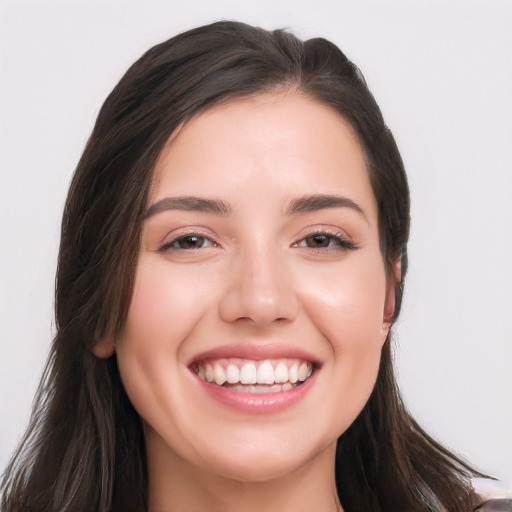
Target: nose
<point x="260" y="290"/>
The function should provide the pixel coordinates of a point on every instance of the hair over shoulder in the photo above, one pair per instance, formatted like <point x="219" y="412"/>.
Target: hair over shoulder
<point x="84" y="448"/>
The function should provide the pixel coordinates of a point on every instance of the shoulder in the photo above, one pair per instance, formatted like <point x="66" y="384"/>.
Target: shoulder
<point x="496" y="496"/>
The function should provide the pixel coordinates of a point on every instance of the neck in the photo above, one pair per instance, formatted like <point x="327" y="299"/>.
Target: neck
<point x="178" y="486"/>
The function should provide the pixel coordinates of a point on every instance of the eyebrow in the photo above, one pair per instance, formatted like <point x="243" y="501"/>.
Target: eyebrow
<point x="189" y="203"/>
<point x="304" y="204"/>
<point x="318" y="202"/>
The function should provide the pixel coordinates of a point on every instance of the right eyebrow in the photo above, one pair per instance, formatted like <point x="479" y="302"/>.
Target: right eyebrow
<point x="189" y="203"/>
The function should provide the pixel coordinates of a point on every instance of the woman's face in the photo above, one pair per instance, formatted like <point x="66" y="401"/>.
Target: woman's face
<point x="261" y="301"/>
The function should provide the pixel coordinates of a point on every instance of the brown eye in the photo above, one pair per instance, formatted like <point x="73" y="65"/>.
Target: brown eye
<point x="188" y="243"/>
<point x="318" y="241"/>
<point x="325" y="241"/>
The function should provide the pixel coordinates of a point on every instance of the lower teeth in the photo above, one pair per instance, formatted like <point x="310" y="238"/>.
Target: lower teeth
<point x="255" y="388"/>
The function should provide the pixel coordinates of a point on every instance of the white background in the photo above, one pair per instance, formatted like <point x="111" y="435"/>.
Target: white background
<point x="441" y="72"/>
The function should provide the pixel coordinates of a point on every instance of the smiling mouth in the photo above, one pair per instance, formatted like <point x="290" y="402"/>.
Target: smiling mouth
<point x="250" y="376"/>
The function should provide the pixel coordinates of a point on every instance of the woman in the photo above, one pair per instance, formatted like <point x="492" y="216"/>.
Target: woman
<point x="232" y="260"/>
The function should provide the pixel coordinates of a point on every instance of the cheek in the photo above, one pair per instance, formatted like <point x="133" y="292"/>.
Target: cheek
<point x="164" y="309"/>
<point x="166" y="305"/>
<point x="347" y="307"/>
<point x="347" y="304"/>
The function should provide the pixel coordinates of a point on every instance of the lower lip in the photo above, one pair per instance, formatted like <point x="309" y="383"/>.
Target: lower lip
<point x="257" y="403"/>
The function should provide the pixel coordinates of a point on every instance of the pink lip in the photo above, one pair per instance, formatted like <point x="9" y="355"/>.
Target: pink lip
<point x="256" y="352"/>
<point x="256" y="403"/>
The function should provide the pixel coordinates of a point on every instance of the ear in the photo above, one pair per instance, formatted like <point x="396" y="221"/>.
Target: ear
<point x="393" y="281"/>
<point x="104" y="347"/>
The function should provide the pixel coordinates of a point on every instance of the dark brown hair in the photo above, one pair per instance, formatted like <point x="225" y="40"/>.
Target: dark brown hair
<point x="84" y="448"/>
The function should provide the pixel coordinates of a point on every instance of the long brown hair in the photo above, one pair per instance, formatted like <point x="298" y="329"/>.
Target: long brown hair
<point x="84" y="448"/>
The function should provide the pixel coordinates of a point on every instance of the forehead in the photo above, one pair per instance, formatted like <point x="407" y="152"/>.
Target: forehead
<point x="285" y="142"/>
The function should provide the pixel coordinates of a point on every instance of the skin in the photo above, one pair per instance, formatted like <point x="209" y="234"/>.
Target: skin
<point x="255" y="276"/>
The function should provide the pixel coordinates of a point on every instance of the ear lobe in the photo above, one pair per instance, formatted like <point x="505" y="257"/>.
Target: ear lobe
<point x="104" y="347"/>
<point x="389" y="305"/>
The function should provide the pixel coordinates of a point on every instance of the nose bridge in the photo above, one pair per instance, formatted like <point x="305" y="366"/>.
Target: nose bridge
<point x="260" y="288"/>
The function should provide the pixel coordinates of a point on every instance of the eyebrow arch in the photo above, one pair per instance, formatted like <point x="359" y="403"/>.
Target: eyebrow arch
<point x="317" y="202"/>
<point x="189" y="203"/>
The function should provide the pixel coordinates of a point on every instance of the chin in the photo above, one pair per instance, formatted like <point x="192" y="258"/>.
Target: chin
<point x="261" y="467"/>
<point x="262" y="459"/>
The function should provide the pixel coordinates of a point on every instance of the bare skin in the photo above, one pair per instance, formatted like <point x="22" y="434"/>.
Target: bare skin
<point x="261" y="237"/>
<point x="307" y="489"/>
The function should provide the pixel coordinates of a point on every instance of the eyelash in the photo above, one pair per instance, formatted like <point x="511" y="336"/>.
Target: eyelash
<point x="170" y="246"/>
<point x="336" y="242"/>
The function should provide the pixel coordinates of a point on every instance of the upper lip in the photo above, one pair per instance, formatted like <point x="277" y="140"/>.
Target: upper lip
<point x="256" y="352"/>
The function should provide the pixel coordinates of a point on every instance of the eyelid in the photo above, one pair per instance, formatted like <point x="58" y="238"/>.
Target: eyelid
<point x="330" y="231"/>
<point x="323" y="229"/>
<point x="181" y="233"/>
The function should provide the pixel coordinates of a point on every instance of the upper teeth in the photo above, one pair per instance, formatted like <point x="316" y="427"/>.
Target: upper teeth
<point x="234" y="371"/>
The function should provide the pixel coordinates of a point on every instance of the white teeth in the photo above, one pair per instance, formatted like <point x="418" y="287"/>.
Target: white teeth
<point x="281" y="373"/>
<point x="248" y="373"/>
<point x="293" y="373"/>
<point x="265" y="373"/>
<point x="232" y="374"/>
<point x="256" y="376"/>
<point x="208" y="372"/>
<point x="303" y="372"/>
<point x="219" y="374"/>
<point x="255" y="388"/>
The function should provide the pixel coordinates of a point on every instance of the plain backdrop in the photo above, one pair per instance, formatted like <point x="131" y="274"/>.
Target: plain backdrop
<point x="442" y="74"/>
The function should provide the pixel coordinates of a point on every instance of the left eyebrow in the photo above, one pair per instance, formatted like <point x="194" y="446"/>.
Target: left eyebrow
<point x="317" y="202"/>
<point x="189" y="203"/>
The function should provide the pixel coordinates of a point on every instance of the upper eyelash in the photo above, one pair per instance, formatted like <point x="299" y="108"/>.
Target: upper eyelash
<point x="167" y="246"/>
<point x="343" y="242"/>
